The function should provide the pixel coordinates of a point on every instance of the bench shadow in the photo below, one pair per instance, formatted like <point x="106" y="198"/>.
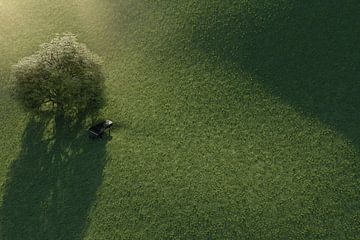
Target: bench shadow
<point x="53" y="183"/>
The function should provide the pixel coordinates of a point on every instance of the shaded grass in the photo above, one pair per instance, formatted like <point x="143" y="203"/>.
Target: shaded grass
<point x="53" y="182"/>
<point x="213" y="146"/>
<point x="306" y="53"/>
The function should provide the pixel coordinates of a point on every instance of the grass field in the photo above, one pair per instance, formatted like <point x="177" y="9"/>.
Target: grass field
<point x="233" y="120"/>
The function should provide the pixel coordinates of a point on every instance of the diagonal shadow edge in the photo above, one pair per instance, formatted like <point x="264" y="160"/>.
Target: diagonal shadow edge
<point x="307" y="54"/>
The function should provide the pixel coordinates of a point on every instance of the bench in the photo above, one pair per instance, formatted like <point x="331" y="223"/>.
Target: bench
<point x="99" y="129"/>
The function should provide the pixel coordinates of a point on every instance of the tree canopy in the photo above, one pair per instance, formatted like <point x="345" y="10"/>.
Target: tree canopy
<point x="63" y="76"/>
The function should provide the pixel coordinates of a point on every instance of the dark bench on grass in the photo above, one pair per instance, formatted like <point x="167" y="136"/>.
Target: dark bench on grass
<point x="99" y="129"/>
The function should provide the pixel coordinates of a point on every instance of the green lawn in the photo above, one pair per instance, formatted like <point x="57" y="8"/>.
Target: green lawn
<point x="233" y="120"/>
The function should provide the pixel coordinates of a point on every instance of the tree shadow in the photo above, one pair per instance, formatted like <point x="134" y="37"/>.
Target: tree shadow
<point x="308" y="54"/>
<point x="305" y="52"/>
<point x="53" y="183"/>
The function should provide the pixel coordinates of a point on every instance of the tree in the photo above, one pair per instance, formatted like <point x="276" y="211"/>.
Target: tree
<point x="63" y="76"/>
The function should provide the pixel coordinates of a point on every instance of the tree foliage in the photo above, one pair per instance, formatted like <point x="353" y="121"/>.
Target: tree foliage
<point x="63" y="76"/>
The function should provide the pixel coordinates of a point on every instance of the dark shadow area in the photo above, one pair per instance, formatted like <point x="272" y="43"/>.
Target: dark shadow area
<point x="53" y="183"/>
<point x="306" y="52"/>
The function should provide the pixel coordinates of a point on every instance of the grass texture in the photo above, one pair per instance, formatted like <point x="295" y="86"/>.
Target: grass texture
<point x="233" y="120"/>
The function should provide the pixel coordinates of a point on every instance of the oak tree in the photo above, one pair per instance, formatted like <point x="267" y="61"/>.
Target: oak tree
<point x="63" y="76"/>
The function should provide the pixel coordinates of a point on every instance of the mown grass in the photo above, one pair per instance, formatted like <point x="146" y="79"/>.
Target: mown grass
<point x="233" y="120"/>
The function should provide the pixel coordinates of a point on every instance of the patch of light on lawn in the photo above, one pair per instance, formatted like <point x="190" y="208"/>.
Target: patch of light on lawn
<point x="11" y="21"/>
<point x="97" y="18"/>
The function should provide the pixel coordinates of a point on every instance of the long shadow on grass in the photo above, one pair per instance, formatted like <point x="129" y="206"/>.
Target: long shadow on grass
<point x="53" y="183"/>
<point x="306" y="52"/>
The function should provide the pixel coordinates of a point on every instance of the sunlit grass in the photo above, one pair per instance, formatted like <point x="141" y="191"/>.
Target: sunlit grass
<point x="200" y="149"/>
